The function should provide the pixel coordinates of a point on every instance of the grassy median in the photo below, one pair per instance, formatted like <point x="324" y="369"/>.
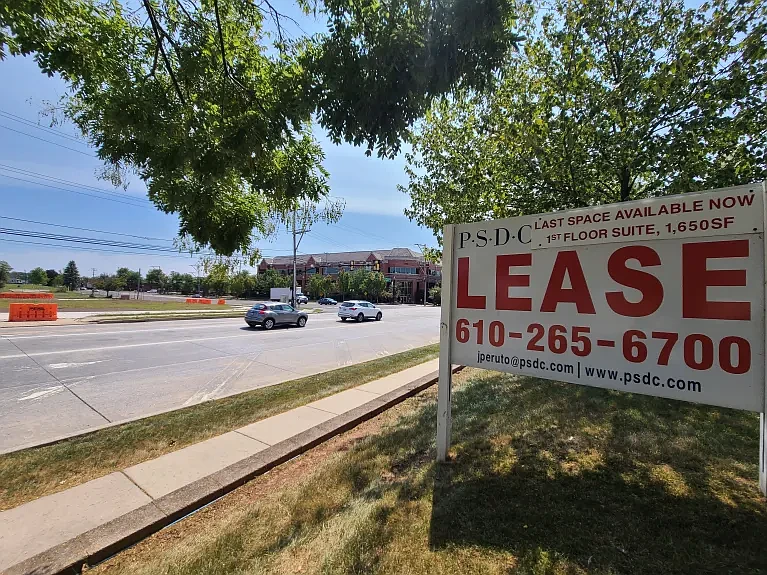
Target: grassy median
<point x="32" y="473"/>
<point x="546" y="479"/>
<point x="113" y="304"/>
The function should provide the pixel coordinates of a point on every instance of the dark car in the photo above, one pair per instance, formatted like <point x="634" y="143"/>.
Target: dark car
<point x="267" y="315"/>
<point x="327" y="301"/>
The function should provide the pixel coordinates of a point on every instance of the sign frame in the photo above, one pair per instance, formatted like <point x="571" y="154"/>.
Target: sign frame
<point x="444" y="397"/>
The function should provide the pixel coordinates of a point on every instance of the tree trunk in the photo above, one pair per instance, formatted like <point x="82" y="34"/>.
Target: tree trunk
<point x="625" y="177"/>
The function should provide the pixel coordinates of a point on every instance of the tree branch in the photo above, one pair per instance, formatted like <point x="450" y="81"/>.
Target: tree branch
<point x="227" y="69"/>
<point x="161" y="47"/>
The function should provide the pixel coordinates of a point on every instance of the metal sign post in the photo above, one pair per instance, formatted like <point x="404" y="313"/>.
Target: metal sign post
<point x="763" y="415"/>
<point x="445" y="355"/>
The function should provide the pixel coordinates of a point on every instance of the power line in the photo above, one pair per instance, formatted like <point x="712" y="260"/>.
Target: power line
<point x="85" y="229"/>
<point x="30" y="173"/>
<point x="89" y="249"/>
<point x="48" y="141"/>
<point x="32" y="124"/>
<point x="92" y="241"/>
<point x="76" y="192"/>
<point x="86" y="240"/>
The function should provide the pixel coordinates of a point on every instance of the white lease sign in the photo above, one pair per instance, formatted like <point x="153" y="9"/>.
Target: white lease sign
<point x="662" y="297"/>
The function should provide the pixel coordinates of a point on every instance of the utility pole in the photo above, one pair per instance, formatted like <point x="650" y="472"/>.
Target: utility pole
<point x="93" y="282"/>
<point x="425" y="272"/>
<point x="138" y="284"/>
<point x="197" y="267"/>
<point x="298" y="235"/>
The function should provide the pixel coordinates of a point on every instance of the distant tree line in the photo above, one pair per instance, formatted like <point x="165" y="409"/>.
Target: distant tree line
<point x="69" y="278"/>
<point x="217" y="281"/>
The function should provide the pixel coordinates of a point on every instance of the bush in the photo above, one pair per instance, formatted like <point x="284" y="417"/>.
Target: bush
<point x="435" y="294"/>
<point x="385" y="297"/>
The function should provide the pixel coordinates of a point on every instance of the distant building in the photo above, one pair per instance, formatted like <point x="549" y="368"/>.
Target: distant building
<point x="407" y="273"/>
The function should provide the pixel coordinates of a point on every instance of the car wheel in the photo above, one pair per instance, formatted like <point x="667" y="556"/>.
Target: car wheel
<point x="268" y="323"/>
<point x="343" y="319"/>
<point x="379" y="316"/>
<point x="251" y="324"/>
<point x="301" y="321"/>
<point x="360" y="318"/>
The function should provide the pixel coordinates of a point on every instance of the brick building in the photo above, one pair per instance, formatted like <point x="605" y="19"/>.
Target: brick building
<point x="407" y="273"/>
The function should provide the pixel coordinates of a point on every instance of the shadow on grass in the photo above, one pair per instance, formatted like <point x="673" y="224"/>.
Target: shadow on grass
<point x="599" y="480"/>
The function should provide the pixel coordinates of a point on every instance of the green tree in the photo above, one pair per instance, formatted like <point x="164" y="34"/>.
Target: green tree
<point x="358" y="282"/>
<point x="175" y="281"/>
<point x="211" y="102"/>
<point x="188" y="284"/>
<point x="156" y="279"/>
<point x="344" y="283"/>
<point x="242" y="284"/>
<point x="131" y="278"/>
<point x="375" y="285"/>
<point x="5" y="273"/>
<point x="57" y="281"/>
<point x="320" y="285"/>
<point x="268" y="279"/>
<point x="435" y="294"/>
<point x="71" y="276"/>
<point x="218" y="278"/>
<point x="51" y="274"/>
<point x="608" y="101"/>
<point x="109" y="283"/>
<point x="38" y="277"/>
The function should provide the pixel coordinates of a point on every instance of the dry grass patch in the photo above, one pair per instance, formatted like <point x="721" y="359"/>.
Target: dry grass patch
<point x="547" y="479"/>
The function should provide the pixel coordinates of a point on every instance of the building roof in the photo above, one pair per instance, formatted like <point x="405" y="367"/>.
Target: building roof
<point x="328" y="258"/>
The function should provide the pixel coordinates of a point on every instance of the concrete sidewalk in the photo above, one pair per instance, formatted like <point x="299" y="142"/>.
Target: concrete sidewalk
<point x="58" y="533"/>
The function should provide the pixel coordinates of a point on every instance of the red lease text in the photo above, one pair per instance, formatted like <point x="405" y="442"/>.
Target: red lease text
<point x="567" y="284"/>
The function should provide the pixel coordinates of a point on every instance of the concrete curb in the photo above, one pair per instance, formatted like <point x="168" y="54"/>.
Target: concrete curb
<point x="138" y="318"/>
<point x="106" y="540"/>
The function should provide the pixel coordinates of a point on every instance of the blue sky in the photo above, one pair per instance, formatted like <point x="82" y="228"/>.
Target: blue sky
<point x="373" y="218"/>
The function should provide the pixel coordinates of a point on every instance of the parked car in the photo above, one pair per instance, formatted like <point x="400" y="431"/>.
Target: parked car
<point x="359" y="310"/>
<point x="267" y="315"/>
<point x="301" y="299"/>
<point x="327" y="301"/>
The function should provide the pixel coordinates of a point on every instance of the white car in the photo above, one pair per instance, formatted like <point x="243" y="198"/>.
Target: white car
<point x="359" y="310"/>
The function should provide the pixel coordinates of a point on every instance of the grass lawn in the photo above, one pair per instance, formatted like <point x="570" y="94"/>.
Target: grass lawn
<point x="35" y="287"/>
<point x="32" y="473"/>
<point x="546" y="479"/>
<point x="109" y="304"/>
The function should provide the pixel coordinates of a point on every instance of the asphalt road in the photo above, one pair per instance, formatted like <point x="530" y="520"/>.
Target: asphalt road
<point x="60" y="381"/>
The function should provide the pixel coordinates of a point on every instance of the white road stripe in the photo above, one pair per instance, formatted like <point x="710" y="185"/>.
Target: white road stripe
<point x="153" y="343"/>
<point x="74" y="380"/>
<point x="73" y="364"/>
<point x="127" y="331"/>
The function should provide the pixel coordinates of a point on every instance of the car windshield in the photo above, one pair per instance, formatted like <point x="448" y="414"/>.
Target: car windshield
<point x="258" y="306"/>
<point x="347" y="304"/>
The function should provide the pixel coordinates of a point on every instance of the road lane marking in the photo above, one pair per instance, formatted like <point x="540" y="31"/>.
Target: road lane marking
<point x="129" y="329"/>
<point x="78" y="379"/>
<point x="243" y="333"/>
<point x="73" y="364"/>
<point x="42" y="393"/>
<point x="129" y="332"/>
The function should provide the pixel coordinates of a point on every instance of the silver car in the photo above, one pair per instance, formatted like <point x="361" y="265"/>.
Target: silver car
<point x="267" y="315"/>
<point x="359" y="310"/>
